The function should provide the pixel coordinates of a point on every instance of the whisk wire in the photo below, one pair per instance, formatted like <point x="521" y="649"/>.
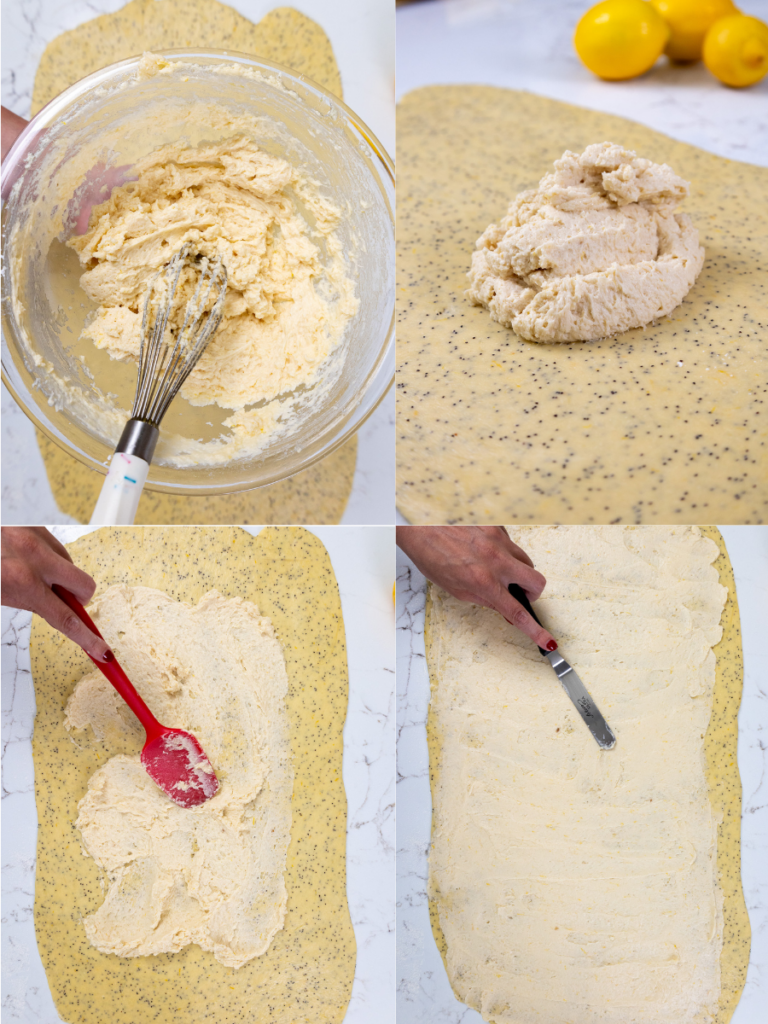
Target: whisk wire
<point x="151" y="351"/>
<point x="186" y="342"/>
<point x="165" y="365"/>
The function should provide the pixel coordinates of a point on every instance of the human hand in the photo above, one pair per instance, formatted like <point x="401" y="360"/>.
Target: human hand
<point x="477" y="564"/>
<point x="32" y="561"/>
<point x="96" y="187"/>
<point x="12" y="126"/>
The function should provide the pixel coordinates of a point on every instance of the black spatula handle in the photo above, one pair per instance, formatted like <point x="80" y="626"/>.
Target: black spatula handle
<point x="519" y="595"/>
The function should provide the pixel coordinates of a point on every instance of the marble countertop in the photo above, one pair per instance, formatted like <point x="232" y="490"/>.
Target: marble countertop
<point x="363" y="563"/>
<point x="362" y="35"/>
<point x="524" y="45"/>
<point x="423" y="991"/>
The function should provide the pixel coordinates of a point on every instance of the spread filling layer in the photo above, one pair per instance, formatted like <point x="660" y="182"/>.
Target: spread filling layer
<point x="213" y="874"/>
<point x="569" y="881"/>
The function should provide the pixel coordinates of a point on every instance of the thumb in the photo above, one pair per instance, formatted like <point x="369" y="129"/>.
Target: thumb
<point x="61" y="616"/>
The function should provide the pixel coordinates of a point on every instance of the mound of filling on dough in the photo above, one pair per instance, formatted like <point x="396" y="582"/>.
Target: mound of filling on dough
<point x="289" y="296"/>
<point x="212" y="874"/>
<point x="597" y="248"/>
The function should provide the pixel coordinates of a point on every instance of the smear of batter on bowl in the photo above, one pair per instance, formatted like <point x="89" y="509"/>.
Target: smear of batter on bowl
<point x="598" y="248"/>
<point x="213" y="874"/>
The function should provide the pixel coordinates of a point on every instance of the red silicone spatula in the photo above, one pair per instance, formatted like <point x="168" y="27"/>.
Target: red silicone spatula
<point x="174" y="760"/>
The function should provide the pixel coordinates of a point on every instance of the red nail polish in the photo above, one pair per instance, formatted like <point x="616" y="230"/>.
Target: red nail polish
<point x="551" y="646"/>
<point x="109" y="656"/>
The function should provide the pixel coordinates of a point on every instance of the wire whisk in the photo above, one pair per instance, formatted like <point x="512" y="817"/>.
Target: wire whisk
<point x="168" y="353"/>
<point x="165" y="362"/>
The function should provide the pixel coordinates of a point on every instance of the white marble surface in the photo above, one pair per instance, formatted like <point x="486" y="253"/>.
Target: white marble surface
<point x="363" y="561"/>
<point x="523" y="44"/>
<point x="423" y="991"/>
<point x="362" y="35"/>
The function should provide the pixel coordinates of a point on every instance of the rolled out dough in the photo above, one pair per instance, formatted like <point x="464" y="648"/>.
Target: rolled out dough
<point x="664" y="424"/>
<point x="212" y="874"/>
<point x="568" y="882"/>
<point x="305" y="976"/>
<point x="284" y="35"/>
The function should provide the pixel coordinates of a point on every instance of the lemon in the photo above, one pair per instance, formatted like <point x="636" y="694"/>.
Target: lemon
<point x="620" y="38"/>
<point x="688" y="21"/>
<point x="736" y="50"/>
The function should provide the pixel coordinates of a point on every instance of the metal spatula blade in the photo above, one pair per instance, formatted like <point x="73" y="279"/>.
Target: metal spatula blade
<point x="571" y="683"/>
<point x="582" y="701"/>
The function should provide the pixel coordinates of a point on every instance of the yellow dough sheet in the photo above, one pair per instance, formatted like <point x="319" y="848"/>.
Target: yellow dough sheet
<point x="305" y="976"/>
<point x="566" y="880"/>
<point x="284" y="35"/>
<point x="664" y="424"/>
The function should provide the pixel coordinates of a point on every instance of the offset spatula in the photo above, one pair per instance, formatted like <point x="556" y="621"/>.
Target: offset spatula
<point x="571" y="683"/>
<point x="173" y="758"/>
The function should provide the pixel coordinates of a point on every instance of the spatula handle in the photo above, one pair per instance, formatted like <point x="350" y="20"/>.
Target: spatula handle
<point x="522" y="598"/>
<point x="112" y="669"/>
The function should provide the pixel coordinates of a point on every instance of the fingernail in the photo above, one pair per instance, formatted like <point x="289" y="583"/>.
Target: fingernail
<point x="552" y="645"/>
<point x="109" y="656"/>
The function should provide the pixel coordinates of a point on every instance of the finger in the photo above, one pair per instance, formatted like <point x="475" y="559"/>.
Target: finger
<point x="62" y="618"/>
<point x="117" y="176"/>
<point x="55" y="545"/>
<point x="101" y="181"/>
<point x="67" y="575"/>
<point x="83" y="219"/>
<point x="525" y="576"/>
<point x="519" y="554"/>
<point x="517" y="616"/>
<point x="515" y="550"/>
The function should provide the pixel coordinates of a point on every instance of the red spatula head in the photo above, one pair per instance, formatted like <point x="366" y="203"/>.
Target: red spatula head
<point x="176" y="762"/>
<point x="173" y="759"/>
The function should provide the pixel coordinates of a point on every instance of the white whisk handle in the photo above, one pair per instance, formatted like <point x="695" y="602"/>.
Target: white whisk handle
<point x="121" y="491"/>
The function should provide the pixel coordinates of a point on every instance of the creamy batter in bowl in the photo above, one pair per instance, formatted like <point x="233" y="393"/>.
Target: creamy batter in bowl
<point x="79" y="395"/>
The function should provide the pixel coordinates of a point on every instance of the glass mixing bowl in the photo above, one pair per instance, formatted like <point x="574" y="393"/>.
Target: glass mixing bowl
<point x="112" y="118"/>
